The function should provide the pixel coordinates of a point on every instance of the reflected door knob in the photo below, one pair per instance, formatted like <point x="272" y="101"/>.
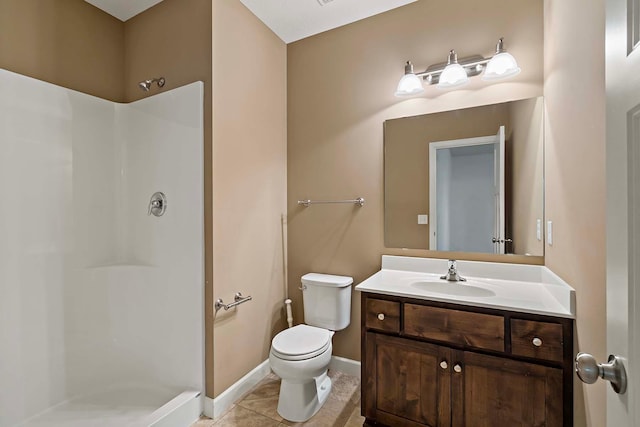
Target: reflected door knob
<point x="497" y="240"/>
<point x="589" y="370"/>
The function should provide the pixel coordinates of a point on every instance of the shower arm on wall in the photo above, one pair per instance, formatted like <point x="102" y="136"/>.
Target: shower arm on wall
<point x="145" y="85"/>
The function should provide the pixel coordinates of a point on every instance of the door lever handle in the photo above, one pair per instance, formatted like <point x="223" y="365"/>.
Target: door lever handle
<point x="589" y="370"/>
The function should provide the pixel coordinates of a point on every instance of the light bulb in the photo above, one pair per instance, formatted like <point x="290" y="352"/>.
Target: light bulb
<point x="409" y="84"/>
<point x="453" y="75"/>
<point x="502" y="65"/>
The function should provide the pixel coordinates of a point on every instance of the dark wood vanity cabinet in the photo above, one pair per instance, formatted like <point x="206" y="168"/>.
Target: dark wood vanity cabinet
<point x="436" y="364"/>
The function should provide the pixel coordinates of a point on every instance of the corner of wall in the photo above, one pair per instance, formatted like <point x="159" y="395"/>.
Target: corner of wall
<point x="575" y="174"/>
<point x="249" y="189"/>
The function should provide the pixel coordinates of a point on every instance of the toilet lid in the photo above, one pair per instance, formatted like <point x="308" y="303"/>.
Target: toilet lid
<point x="301" y="342"/>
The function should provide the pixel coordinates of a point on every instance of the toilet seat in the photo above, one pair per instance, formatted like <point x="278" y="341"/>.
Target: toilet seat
<point x="301" y="342"/>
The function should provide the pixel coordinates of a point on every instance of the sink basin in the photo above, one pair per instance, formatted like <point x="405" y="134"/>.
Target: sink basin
<point x="453" y="288"/>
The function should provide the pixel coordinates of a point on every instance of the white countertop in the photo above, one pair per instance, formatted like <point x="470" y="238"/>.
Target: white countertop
<point x="513" y="287"/>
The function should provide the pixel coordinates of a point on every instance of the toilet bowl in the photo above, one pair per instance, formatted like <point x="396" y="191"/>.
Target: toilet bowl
<point x="300" y="355"/>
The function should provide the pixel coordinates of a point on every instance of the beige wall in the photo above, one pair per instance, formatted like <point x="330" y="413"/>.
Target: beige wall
<point x="173" y="39"/>
<point x="69" y="43"/>
<point x="340" y="91"/>
<point x="249" y="188"/>
<point x="527" y="160"/>
<point x="575" y="175"/>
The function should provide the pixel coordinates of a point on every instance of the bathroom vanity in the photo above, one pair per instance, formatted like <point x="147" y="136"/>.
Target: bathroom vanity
<point x="492" y="351"/>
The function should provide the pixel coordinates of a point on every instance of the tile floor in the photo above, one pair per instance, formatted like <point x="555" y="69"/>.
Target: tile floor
<point x="258" y="407"/>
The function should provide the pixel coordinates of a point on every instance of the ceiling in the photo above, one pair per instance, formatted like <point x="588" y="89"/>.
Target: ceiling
<point x="123" y="9"/>
<point x="291" y="20"/>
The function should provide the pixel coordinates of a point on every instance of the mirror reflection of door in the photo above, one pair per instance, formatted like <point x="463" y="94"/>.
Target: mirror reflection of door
<point x="467" y="194"/>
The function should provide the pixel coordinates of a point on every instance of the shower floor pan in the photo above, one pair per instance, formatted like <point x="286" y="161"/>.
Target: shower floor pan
<point x="130" y="407"/>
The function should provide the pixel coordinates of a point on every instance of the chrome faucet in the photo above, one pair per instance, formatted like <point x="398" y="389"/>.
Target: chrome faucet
<point x="452" y="274"/>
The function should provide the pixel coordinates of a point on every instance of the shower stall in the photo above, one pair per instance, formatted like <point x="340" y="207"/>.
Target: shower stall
<point x="101" y="301"/>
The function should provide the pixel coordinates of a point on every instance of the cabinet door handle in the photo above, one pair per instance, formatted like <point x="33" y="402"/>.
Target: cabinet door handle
<point x="457" y="368"/>
<point x="444" y="364"/>
<point x="537" y="342"/>
<point x="380" y="316"/>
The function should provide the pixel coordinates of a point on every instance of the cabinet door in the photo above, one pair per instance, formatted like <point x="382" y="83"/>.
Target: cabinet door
<point x="409" y="384"/>
<point x="491" y="391"/>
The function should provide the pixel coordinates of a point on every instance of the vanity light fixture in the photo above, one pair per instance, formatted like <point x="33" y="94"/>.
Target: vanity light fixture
<point x="454" y="73"/>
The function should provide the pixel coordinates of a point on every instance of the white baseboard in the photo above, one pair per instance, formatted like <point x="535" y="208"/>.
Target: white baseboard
<point x="347" y="366"/>
<point x="214" y="408"/>
<point x="207" y="407"/>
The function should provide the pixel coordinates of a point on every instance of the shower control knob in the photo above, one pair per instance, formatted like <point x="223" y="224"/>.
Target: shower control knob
<point x="157" y="204"/>
<point x="381" y="316"/>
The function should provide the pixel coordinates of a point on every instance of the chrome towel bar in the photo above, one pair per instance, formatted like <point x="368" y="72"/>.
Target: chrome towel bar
<point x="306" y="203"/>
<point x="237" y="300"/>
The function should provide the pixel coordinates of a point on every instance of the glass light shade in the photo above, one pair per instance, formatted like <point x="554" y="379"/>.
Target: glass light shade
<point x="453" y="76"/>
<point x="501" y="66"/>
<point x="409" y="85"/>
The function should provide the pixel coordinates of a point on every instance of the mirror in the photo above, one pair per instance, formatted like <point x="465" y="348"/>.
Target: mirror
<point x="468" y="180"/>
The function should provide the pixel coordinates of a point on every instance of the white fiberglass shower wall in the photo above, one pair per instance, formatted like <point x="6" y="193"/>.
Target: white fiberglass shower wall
<point x="101" y="304"/>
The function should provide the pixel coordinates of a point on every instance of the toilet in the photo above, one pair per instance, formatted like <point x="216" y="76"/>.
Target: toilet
<point x="300" y="355"/>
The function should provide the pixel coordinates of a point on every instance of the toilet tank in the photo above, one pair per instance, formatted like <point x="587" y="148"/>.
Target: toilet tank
<point x="327" y="300"/>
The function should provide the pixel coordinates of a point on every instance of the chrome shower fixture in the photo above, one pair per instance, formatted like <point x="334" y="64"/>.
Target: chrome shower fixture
<point x="146" y="84"/>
